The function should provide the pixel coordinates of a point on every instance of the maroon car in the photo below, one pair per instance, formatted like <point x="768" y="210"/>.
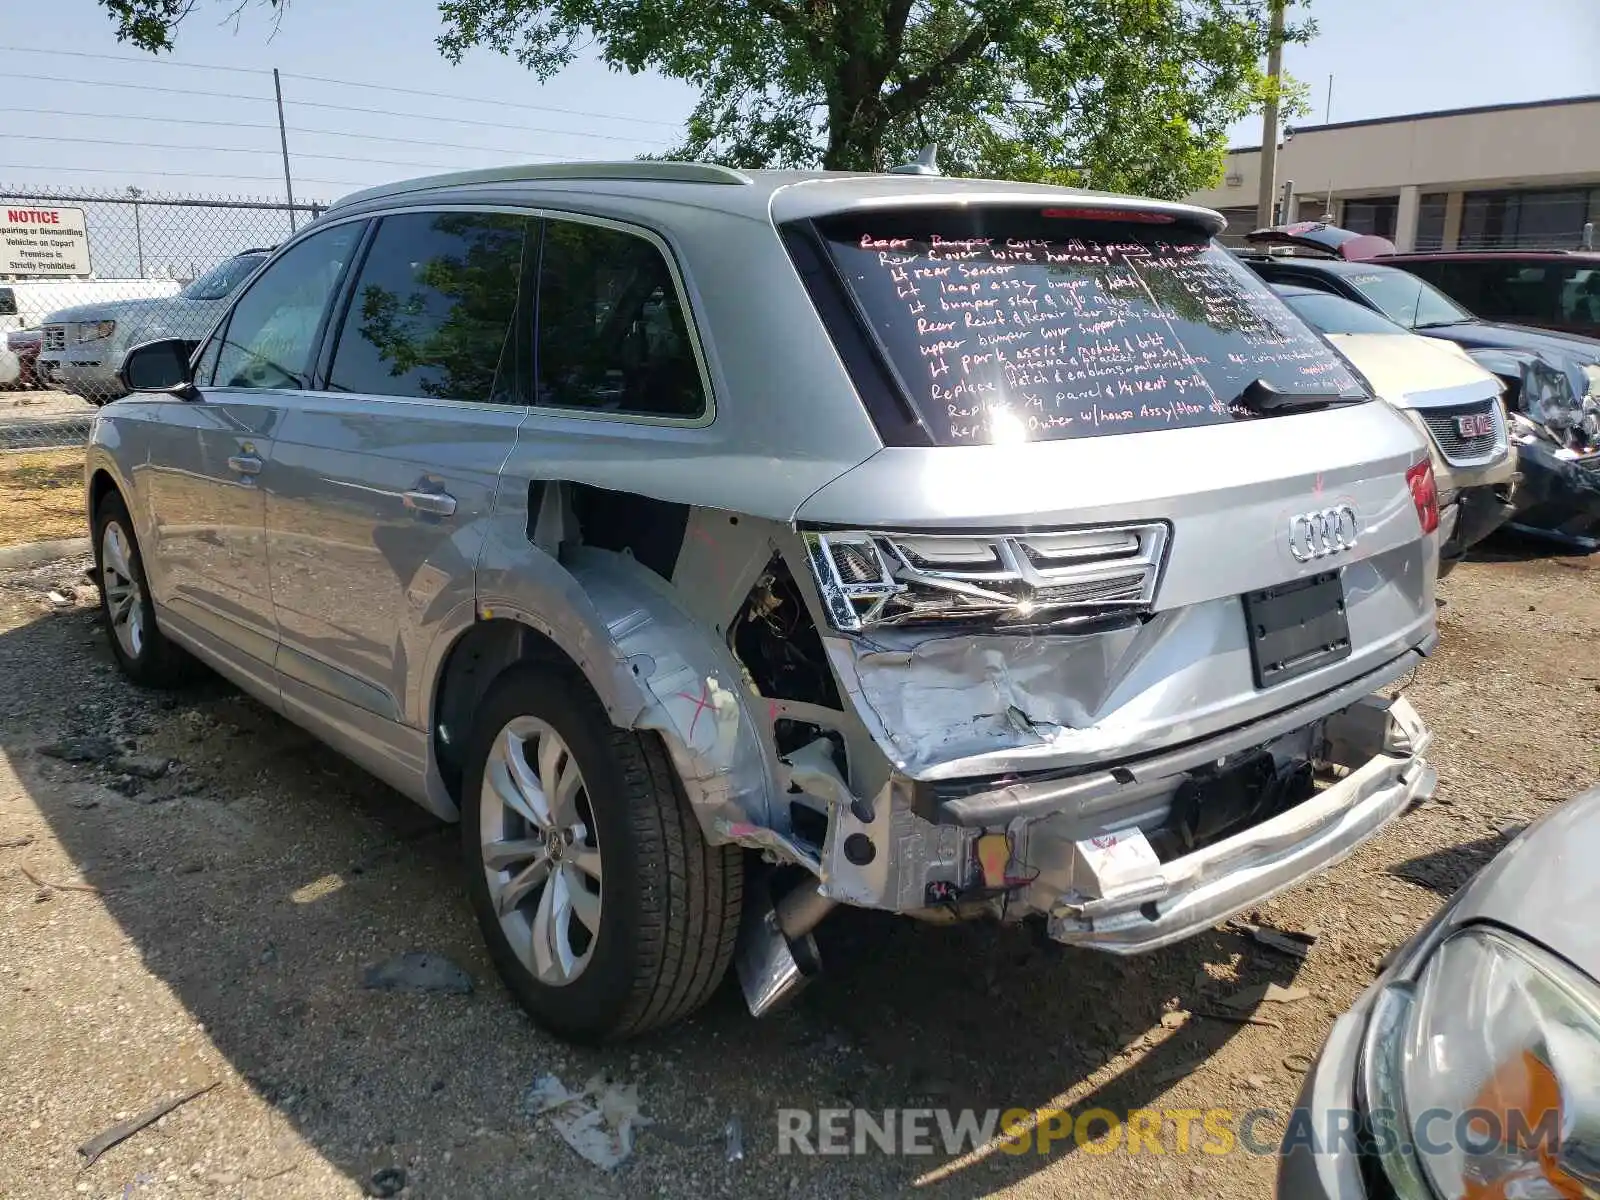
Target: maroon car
<point x="1554" y="289"/>
<point x="25" y="343"/>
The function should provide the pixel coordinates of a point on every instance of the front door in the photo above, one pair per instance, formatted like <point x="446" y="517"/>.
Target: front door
<point x="206" y="498"/>
<point x="382" y="477"/>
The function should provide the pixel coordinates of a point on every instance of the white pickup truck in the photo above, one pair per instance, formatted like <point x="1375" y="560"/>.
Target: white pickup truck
<point x="26" y="303"/>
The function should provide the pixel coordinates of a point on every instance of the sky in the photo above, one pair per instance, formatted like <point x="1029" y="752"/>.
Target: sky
<point x="368" y="98"/>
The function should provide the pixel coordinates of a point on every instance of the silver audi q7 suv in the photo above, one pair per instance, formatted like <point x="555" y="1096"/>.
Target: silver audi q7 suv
<point x="721" y="548"/>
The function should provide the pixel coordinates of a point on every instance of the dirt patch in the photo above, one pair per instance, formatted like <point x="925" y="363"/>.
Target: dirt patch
<point x="241" y="891"/>
<point x="41" y="495"/>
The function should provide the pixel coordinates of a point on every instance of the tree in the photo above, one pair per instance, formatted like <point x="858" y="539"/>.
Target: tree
<point x="150" y="24"/>
<point x="1123" y="95"/>
<point x="1132" y="95"/>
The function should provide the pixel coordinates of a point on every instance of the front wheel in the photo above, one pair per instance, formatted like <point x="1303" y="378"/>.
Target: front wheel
<point x="605" y="911"/>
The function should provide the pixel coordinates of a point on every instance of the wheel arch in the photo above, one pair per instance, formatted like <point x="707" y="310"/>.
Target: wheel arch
<point x="653" y="667"/>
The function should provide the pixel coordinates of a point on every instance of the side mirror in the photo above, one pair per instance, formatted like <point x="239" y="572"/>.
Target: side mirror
<point x="161" y="366"/>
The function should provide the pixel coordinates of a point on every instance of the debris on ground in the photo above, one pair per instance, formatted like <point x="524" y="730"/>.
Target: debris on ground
<point x="122" y="1131"/>
<point x="414" y="971"/>
<point x="57" y="600"/>
<point x="91" y="748"/>
<point x="735" y="1132"/>
<point x="1270" y="992"/>
<point x="142" y="766"/>
<point x="49" y="884"/>
<point x="386" y="1181"/>
<point x="598" y="1121"/>
<point x="25" y="840"/>
<point x="1285" y="941"/>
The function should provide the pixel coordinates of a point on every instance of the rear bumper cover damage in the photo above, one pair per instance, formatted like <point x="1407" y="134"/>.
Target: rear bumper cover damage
<point x="1029" y="847"/>
<point x="1189" y="894"/>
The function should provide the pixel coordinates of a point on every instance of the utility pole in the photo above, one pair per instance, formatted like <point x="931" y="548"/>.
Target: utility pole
<point x="1269" y="120"/>
<point x="138" y="231"/>
<point x="283" y="140"/>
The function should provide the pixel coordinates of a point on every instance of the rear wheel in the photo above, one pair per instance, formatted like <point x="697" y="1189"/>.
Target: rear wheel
<point x="605" y="911"/>
<point x="143" y="652"/>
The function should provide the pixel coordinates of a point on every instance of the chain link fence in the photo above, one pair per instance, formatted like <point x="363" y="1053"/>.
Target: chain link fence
<point x="85" y="275"/>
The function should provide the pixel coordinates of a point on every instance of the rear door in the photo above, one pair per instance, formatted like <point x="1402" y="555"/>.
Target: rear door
<point x="382" y="477"/>
<point x="206" y="456"/>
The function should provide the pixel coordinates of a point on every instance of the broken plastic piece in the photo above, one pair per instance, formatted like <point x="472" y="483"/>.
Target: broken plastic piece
<point x="99" y="1144"/>
<point x="598" y="1121"/>
<point x="735" y="1132"/>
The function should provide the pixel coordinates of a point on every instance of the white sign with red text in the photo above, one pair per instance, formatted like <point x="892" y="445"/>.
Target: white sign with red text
<point x="43" y="241"/>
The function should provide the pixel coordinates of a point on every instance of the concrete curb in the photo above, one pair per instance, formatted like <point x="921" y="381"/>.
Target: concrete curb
<point x="33" y="554"/>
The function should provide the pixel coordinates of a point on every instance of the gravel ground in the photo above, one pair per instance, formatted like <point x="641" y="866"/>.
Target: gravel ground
<point x="211" y="927"/>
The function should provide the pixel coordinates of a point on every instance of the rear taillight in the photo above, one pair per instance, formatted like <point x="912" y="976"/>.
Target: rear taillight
<point x="1424" y="494"/>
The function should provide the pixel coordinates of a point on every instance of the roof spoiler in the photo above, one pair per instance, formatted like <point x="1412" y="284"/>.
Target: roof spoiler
<point x="1323" y="238"/>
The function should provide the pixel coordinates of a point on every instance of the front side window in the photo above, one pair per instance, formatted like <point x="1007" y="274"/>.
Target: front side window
<point x="613" y="335"/>
<point x="1405" y="299"/>
<point x="433" y="309"/>
<point x="269" y="338"/>
<point x="1012" y="324"/>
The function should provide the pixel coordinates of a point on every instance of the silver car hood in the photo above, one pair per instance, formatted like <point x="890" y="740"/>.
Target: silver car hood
<point x="1544" y="884"/>
<point x="110" y="310"/>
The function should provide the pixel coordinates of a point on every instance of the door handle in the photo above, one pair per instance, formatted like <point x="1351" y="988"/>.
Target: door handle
<point x="440" y="503"/>
<point x="245" y="464"/>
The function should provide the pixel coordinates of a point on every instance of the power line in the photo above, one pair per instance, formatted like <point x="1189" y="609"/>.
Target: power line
<point x="130" y="58"/>
<point x="343" y="133"/>
<point x="190" y="93"/>
<point x="377" y="87"/>
<point x="380" y="87"/>
<point x="125" y="171"/>
<point x="383" y="112"/>
<point x="141" y="87"/>
<point x="382" y="162"/>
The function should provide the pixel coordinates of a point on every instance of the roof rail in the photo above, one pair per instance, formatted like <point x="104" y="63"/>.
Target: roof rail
<point x="642" y="170"/>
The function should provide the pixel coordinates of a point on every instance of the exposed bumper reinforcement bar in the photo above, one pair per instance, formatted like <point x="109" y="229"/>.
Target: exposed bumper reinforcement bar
<point x="1026" y="799"/>
<point x="1194" y="892"/>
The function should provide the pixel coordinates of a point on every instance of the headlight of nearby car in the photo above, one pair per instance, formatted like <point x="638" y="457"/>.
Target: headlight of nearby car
<point x="94" y="331"/>
<point x="1489" y="1071"/>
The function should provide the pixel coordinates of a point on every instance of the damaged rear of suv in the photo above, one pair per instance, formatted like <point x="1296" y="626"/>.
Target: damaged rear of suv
<point x="1092" y="633"/>
<point x="954" y="548"/>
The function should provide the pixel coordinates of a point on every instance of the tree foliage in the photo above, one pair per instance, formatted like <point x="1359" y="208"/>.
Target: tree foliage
<point x="1133" y="95"/>
<point x="1124" y="95"/>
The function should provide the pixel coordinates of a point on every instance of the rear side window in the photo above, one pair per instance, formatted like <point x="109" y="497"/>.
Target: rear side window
<point x="613" y="335"/>
<point x="8" y="302"/>
<point x="269" y="337"/>
<point x="433" y="308"/>
<point x="1020" y="325"/>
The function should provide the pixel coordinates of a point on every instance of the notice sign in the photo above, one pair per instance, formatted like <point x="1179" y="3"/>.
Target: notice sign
<point x="43" y="241"/>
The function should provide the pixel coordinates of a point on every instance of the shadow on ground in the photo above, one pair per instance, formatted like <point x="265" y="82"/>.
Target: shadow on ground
<point x="260" y="878"/>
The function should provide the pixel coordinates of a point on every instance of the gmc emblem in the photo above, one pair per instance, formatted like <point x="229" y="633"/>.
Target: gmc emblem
<point x="1475" y="425"/>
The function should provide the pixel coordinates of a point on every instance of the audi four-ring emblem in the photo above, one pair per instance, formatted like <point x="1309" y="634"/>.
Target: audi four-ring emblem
<point x="1320" y="534"/>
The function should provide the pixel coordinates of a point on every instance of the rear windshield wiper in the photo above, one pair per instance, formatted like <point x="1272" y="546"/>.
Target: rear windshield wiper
<point x="1260" y="396"/>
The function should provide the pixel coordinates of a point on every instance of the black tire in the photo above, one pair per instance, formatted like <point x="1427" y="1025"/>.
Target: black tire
<point x="155" y="662"/>
<point x="670" y="903"/>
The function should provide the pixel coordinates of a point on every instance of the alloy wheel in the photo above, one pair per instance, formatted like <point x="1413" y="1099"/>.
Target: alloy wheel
<point x="541" y="852"/>
<point x="124" y="596"/>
